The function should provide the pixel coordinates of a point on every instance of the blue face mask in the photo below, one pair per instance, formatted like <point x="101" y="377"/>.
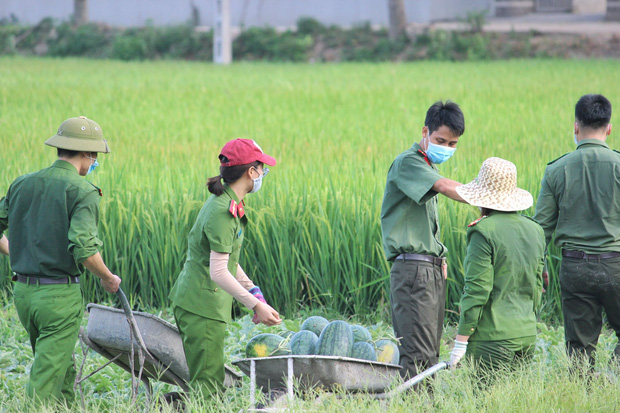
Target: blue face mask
<point x="92" y="165"/>
<point x="576" y="141"/>
<point x="438" y="153"/>
<point x="258" y="182"/>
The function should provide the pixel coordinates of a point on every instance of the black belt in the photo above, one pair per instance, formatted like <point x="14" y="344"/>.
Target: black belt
<point x="421" y="257"/>
<point x="584" y="256"/>
<point x="44" y="280"/>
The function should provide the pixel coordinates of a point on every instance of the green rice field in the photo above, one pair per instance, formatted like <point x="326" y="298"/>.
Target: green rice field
<point x="314" y="242"/>
<point x="314" y="235"/>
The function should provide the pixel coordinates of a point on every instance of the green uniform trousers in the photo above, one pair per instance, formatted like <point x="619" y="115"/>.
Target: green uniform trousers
<point x="418" y="295"/>
<point x="495" y="354"/>
<point x="203" y="343"/>
<point x="588" y="287"/>
<point x="51" y="315"/>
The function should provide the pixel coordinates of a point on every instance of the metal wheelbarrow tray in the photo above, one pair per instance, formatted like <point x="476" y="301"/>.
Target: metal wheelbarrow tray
<point x="350" y="374"/>
<point x="108" y="333"/>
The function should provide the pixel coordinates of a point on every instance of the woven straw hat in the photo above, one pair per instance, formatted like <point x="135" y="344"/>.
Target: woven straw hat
<point x="496" y="188"/>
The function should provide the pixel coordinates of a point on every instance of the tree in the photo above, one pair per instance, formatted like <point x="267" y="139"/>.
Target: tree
<point x="80" y="12"/>
<point x="398" y="18"/>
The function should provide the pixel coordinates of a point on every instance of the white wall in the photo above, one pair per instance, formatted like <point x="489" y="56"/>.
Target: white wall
<point x="589" y="6"/>
<point x="248" y="12"/>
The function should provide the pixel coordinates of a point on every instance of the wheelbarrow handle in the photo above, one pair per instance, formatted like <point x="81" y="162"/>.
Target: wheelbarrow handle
<point x="124" y="303"/>
<point x="413" y="381"/>
<point x="132" y="321"/>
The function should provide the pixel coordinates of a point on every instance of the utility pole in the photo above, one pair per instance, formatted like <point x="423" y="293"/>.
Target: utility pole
<point x="398" y="18"/>
<point x="222" y="41"/>
<point x="80" y="12"/>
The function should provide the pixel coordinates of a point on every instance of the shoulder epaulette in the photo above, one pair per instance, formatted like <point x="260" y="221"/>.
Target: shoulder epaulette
<point x="476" y="221"/>
<point x="557" y="159"/>
<point x="616" y="151"/>
<point x="97" y="188"/>
<point x="530" y="218"/>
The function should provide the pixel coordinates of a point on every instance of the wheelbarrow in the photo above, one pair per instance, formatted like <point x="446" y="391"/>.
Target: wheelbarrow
<point x="140" y="343"/>
<point x="349" y="374"/>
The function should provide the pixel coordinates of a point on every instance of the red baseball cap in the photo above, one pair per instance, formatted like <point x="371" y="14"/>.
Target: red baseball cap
<point x="245" y="151"/>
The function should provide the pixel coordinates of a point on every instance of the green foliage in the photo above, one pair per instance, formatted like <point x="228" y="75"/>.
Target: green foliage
<point x="266" y="43"/>
<point x="129" y="48"/>
<point x="309" y="26"/>
<point x="89" y="39"/>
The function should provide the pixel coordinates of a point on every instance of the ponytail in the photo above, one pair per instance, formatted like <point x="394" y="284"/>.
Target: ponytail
<point x="214" y="184"/>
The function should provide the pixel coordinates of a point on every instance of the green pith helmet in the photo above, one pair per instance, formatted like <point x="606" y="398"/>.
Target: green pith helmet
<point x="79" y="134"/>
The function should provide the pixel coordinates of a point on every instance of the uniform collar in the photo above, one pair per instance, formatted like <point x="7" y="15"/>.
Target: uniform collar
<point x="228" y="190"/>
<point x="64" y="165"/>
<point x="418" y="150"/>
<point x="592" y="142"/>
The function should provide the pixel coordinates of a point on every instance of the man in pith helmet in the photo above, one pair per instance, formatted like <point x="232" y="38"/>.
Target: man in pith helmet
<point x="52" y="217"/>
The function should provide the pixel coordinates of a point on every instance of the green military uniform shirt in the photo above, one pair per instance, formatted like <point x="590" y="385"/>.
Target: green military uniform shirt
<point x="503" y="278"/>
<point x="409" y="213"/>
<point x="55" y="213"/>
<point x="216" y="229"/>
<point x="576" y="202"/>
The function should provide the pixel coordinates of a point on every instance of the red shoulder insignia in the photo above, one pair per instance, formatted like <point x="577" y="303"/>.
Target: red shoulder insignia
<point x="476" y="221"/>
<point x="233" y="208"/>
<point x="97" y="188"/>
<point x="425" y="157"/>
<point x="240" y="209"/>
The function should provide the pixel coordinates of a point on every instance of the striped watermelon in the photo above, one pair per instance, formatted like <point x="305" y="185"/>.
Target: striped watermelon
<point x="387" y="352"/>
<point x="316" y="324"/>
<point x="361" y="334"/>
<point x="304" y="343"/>
<point x="364" y="351"/>
<point x="265" y="345"/>
<point x="336" y="339"/>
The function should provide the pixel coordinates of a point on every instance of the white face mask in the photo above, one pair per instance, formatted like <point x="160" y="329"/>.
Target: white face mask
<point x="576" y="141"/>
<point x="258" y="182"/>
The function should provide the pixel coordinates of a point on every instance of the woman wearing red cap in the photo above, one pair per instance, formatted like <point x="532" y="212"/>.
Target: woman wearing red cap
<point x="211" y="277"/>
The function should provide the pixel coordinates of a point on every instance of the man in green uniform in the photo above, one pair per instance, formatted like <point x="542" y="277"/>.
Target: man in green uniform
<point x="410" y="228"/>
<point x="580" y="201"/>
<point x="52" y="216"/>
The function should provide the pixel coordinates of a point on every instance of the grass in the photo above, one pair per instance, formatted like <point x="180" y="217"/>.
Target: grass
<point x="547" y="384"/>
<point x="314" y="235"/>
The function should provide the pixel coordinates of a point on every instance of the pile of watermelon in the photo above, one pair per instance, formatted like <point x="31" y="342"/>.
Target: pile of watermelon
<point x="318" y="336"/>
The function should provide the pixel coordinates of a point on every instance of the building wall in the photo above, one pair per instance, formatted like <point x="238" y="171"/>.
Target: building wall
<point x="589" y="6"/>
<point x="276" y="13"/>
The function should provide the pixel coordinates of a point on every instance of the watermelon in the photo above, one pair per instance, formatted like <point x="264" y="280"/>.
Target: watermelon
<point x="361" y="334"/>
<point x="336" y="339"/>
<point x="316" y="323"/>
<point x="304" y="343"/>
<point x="265" y="345"/>
<point x="364" y="351"/>
<point x="387" y="352"/>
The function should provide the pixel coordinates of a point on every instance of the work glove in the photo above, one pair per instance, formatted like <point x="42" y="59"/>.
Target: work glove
<point x="460" y="347"/>
<point x="256" y="292"/>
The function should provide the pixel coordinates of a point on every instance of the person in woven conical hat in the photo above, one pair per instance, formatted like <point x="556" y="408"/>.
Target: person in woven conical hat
<point x="52" y="215"/>
<point x="503" y="271"/>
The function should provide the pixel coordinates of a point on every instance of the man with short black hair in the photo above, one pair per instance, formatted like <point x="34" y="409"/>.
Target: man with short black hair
<point x="53" y="216"/>
<point x="410" y="228"/>
<point x="580" y="201"/>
